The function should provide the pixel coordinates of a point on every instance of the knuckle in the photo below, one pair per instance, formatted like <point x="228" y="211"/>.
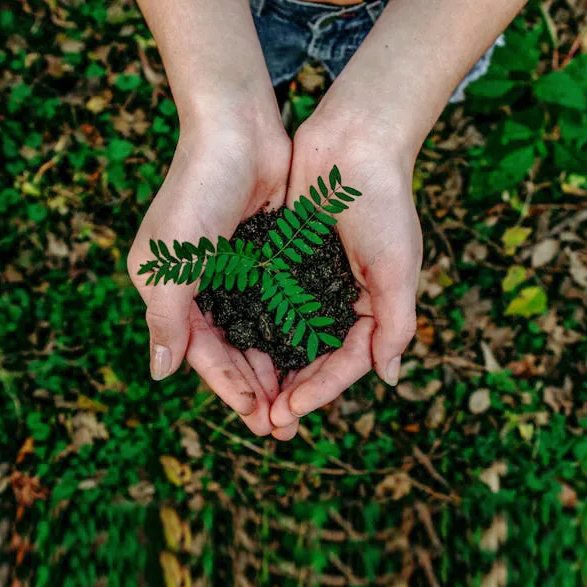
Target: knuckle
<point x="159" y="323"/>
<point x="409" y="326"/>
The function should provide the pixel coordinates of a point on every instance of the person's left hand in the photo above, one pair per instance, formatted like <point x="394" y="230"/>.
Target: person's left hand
<point x="381" y="235"/>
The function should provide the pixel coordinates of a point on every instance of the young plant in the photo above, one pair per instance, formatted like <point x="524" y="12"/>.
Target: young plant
<point x="242" y="265"/>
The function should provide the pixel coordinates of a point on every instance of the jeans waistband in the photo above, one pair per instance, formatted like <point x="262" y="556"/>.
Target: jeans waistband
<point x="374" y="8"/>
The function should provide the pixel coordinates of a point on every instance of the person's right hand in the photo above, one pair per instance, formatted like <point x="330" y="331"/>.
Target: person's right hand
<point x="220" y="175"/>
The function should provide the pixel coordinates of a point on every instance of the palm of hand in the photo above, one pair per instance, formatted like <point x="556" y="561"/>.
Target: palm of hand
<point x="382" y="238"/>
<point x="210" y="188"/>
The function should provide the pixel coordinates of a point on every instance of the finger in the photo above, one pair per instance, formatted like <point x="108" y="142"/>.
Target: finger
<point x="167" y="318"/>
<point x="208" y="355"/>
<point x="280" y="413"/>
<point x="340" y="370"/>
<point x="394" y="309"/>
<point x="287" y="432"/>
<point x="258" y="421"/>
<point x="264" y="370"/>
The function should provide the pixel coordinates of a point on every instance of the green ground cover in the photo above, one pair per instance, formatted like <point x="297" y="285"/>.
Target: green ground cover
<point x="473" y="471"/>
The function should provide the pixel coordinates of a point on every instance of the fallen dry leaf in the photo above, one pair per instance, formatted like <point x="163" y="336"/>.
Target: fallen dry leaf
<point x="495" y="535"/>
<point x="177" y="533"/>
<point x="364" y="425"/>
<point x="577" y="269"/>
<point x="544" y="252"/>
<point x="497" y="577"/>
<point x="190" y="440"/>
<point x="480" y="401"/>
<point x="491" y="364"/>
<point x="178" y="473"/>
<point x="397" y="485"/>
<point x="27" y="448"/>
<point x="86" y="429"/>
<point x="567" y="496"/>
<point x="174" y="573"/>
<point x="437" y="413"/>
<point x="142" y="492"/>
<point x="492" y="475"/>
<point x="560" y="398"/>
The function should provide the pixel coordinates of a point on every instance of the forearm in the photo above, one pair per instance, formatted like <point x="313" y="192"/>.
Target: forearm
<point x="211" y="55"/>
<point x="405" y="71"/>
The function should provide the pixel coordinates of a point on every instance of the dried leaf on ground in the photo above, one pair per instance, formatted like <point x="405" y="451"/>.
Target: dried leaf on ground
<point x="397" y="485"/>
<point x="492" y="475"/>
<point x="480" y="401"/>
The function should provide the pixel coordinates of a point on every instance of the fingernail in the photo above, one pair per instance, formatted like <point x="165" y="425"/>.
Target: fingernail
<point x="160" y="362"/>
<point x="392" y="371"/>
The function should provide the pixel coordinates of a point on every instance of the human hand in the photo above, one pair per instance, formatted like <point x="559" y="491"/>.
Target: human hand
<point x="219" y="176"/>
<point x="382" y="238"/>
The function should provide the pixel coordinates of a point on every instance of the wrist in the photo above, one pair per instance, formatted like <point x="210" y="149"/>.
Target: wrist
<point x="360" y="134"/>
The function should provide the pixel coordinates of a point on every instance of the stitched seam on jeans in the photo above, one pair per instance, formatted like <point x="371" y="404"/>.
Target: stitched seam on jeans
<point x="374" y="9"/>
<point x="257" y="7"/>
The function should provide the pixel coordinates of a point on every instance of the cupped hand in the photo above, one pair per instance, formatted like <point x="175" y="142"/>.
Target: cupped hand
<point x="382" y="238"/>
<point x="219" y="176"/>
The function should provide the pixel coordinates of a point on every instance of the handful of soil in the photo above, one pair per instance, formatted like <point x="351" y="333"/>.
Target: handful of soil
<point x="244" y="317"/>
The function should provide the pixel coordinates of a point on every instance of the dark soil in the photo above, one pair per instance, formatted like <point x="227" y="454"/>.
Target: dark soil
<point x="244" y="318"/>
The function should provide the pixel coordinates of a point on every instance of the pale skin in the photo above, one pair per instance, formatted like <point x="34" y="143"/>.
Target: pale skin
<point x="234" y="158"/>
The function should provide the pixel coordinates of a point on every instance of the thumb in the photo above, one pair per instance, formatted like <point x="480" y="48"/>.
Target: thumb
<point x="168" y="321"/>
<point x="394" y="309"/>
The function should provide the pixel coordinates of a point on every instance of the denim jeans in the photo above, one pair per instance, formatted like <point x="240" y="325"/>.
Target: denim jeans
<point x="293" y="32"/>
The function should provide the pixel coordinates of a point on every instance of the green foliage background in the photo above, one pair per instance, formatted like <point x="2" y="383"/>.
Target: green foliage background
<point x="109" y="479"/>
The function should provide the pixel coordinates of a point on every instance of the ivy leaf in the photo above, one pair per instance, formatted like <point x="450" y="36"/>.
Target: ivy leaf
<point x="515" y="276"/>
<point x="560" y="88"/>
<point x="532" y="301"/>
<point x="514" y="237"/>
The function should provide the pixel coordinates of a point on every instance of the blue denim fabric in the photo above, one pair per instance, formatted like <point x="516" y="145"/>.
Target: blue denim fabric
<point x="294" y="31"/>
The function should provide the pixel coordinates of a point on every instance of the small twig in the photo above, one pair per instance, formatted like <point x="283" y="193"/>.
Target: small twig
<point x="425" y="461"/>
